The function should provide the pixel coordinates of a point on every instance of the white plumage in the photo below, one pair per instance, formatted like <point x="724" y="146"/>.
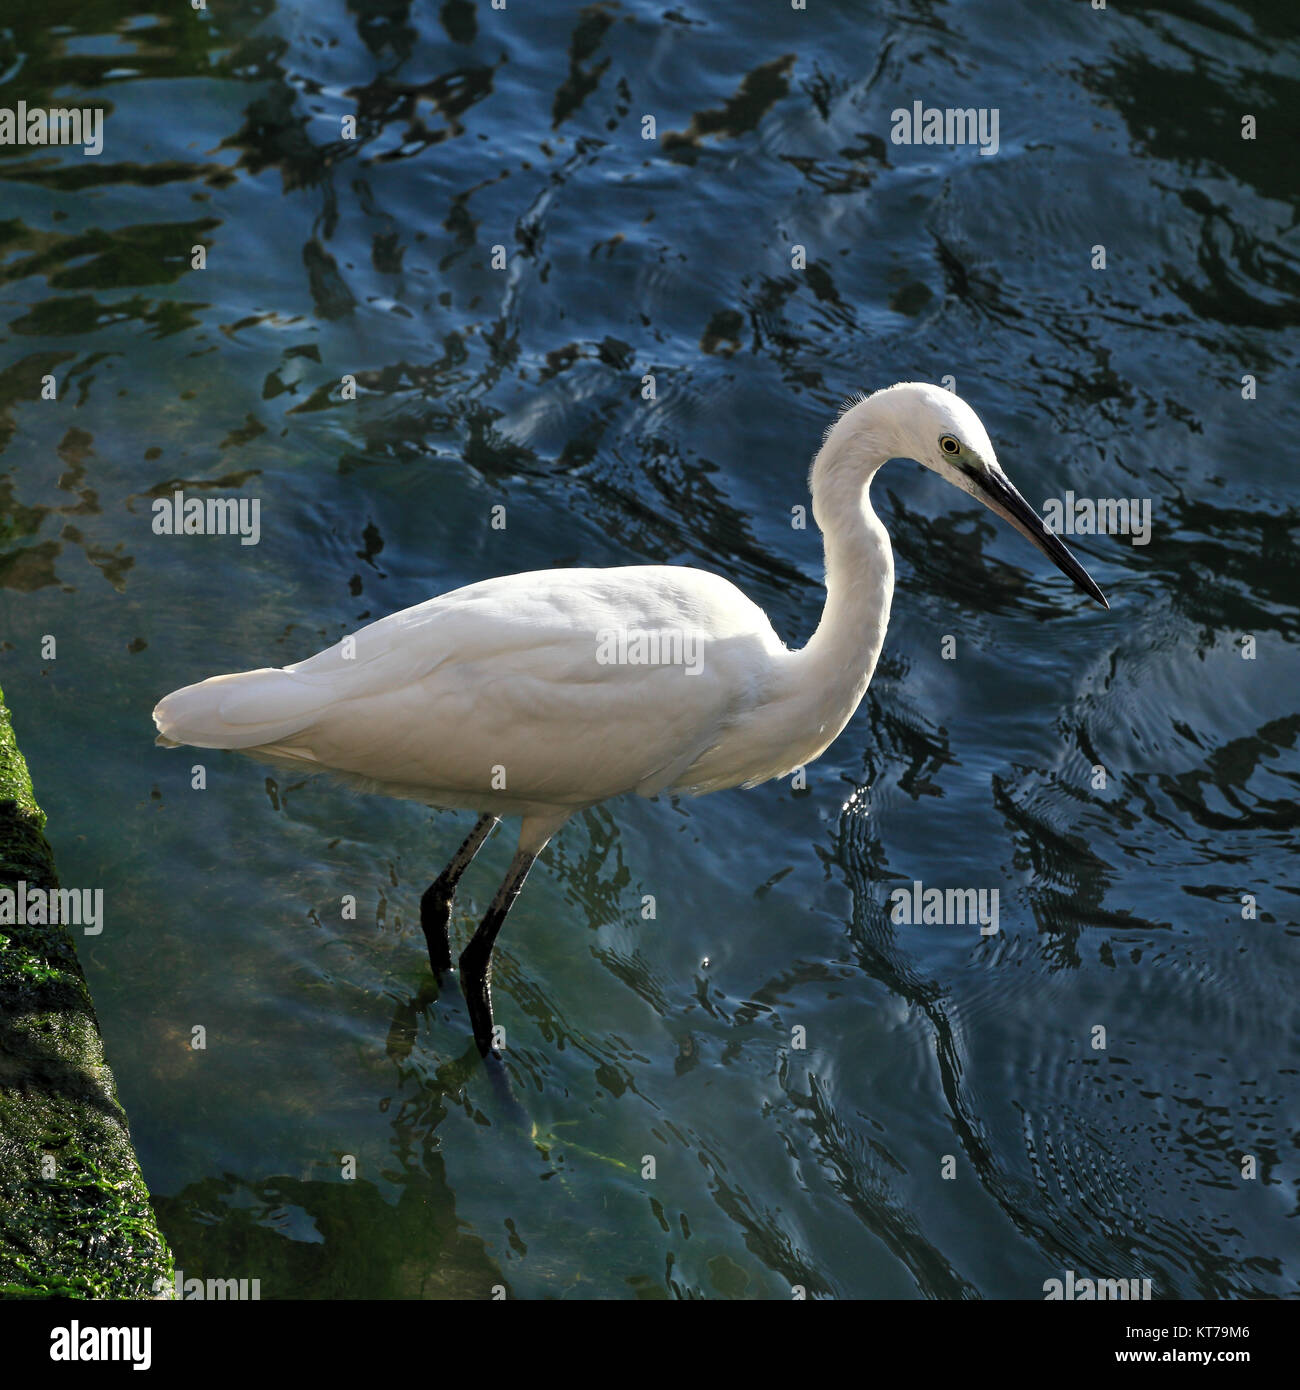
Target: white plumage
<point x="522" y="695"/>
<point x="477" y="685"/>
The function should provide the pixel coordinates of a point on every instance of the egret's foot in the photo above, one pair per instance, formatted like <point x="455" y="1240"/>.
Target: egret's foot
<point x="475" y="981"/>
<point x="476" y="958"/>
<point x="435" y="918"/>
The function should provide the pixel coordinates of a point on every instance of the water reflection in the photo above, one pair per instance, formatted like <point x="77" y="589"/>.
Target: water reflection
<point x="369" y="254"/>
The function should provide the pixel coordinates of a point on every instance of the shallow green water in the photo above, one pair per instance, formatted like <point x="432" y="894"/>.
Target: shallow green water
<point x="1120" y="906"/>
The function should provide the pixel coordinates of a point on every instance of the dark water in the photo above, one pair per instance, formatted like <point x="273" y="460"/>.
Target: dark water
<point x="1121" y="906"/>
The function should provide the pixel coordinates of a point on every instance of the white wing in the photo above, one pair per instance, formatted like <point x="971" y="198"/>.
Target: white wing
<point x="504" y="691"/>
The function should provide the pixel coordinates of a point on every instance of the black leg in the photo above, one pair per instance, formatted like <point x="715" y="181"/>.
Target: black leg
<point x="435" y="905"/>
<point x="476" y="958"/>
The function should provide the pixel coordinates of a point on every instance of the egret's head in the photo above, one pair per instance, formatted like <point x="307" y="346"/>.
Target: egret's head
<point x="938" y="429"/>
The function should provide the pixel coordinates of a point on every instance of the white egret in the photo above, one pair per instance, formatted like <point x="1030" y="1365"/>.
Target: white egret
<point x="540" y="694"/>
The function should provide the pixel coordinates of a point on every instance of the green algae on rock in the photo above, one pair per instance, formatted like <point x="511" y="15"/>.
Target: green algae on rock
<point x="75" y="1219"/>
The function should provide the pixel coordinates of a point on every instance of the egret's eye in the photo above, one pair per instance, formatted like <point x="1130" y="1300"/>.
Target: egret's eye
<point x="949" y="445"/>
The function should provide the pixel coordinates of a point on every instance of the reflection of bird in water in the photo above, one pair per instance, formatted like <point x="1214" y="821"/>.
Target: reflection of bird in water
<point x="539" y="694"/>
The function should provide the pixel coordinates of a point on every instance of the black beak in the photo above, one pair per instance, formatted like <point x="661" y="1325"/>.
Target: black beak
<point x="998" y="493"/>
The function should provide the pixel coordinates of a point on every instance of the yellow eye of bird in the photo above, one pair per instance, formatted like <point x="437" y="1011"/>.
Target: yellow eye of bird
<point x="949" y="445"/>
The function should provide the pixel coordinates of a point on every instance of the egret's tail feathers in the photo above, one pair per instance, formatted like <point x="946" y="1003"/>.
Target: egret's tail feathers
<point x="244" y="710"/>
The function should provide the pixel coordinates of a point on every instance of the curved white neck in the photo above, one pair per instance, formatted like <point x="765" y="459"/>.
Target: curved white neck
<point x="814" y="691"/>
<point x="859" y="559"/>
